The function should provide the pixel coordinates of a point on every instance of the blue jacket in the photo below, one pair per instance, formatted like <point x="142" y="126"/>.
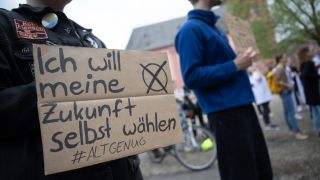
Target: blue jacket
<point x="207" y="65"/>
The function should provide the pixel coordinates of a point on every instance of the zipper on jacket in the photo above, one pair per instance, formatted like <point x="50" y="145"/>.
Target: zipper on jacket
<point x="77" y="34"/>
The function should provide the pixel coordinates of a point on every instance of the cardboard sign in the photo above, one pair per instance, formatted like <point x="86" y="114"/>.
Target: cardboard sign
<point x="241" y="33"/>
<point x="97" y="105"/>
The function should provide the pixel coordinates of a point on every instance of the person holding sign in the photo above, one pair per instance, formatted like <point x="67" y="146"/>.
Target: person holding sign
<point x="217" y="76"/>
<point x="39" y="22"/>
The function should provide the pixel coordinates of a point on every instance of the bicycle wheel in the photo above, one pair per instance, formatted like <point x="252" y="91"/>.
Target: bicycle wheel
<point x="198" y="151"/>
<point x="157" y="155"/>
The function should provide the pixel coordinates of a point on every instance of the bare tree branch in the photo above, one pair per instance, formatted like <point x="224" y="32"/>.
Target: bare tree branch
<point x="295" y="16"/>
<point x="315" y="16"/>
<point x="302" y="10"/>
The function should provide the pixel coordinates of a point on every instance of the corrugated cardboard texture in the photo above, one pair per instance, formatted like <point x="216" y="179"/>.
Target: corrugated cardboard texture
<point x="97" y="105"/>
<point x="241" y="33"/>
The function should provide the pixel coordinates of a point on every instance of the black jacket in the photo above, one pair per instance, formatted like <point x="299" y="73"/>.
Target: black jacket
<point x="310" y="81"/>
<point x="20" y="141"/>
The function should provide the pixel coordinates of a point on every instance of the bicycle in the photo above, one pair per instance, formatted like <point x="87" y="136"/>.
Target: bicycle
<point x="197" y="152"/>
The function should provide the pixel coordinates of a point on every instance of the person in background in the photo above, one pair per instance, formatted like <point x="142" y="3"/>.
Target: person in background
<point x="292" y="78"/>
<point x="310" y="80"/>
<point x="21" y="156"/>
<point x="283" y="79"/>
<point x="217" y="76"/>
<point x="316" y="59"/>
<point x="262" y="96"/>
<point x="298" y="87"/>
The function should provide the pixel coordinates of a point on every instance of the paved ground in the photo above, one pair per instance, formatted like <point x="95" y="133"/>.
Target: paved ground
<point x="291" y="159"/>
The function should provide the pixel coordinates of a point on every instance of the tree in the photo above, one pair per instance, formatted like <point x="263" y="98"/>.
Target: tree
<point x="297" y="20"/>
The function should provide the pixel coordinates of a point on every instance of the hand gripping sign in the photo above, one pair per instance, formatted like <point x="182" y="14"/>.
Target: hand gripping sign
<point x="97" y="105"/>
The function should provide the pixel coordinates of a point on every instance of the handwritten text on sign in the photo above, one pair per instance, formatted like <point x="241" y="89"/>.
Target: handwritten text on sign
<point x="96" y="105"/>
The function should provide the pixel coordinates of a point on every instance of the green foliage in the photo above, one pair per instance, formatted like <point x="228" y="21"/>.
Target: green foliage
<point x="289" y="43"/>
<point x="264" y="38"/>
<point x="239" y="8"/>
<point x="297" y="21"/>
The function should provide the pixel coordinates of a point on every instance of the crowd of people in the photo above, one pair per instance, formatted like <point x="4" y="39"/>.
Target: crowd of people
<point x="298" y="89"/>
<point x="225" y="93"/>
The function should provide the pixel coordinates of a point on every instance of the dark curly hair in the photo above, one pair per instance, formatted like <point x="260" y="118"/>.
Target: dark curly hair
<point x="278" y="58"/>
<point x="303" y="52"/>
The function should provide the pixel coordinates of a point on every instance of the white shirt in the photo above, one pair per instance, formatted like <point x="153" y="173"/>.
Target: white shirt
<point x="260" y="88"/>
<point x="316" y="60"/>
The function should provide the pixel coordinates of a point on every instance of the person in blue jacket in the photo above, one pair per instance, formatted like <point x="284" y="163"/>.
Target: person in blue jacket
<point x="218" y="77"/>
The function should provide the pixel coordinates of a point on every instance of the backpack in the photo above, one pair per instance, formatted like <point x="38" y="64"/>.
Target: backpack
<point x="273" y="86"/>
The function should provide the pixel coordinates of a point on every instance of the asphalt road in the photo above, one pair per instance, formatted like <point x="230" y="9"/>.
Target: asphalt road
<point x="291" y="159"/>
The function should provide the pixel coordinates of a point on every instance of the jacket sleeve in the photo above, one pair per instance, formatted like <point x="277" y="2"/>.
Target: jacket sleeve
<point x="17" y="102"/>
<point x="309" y="71"/>
<point x="190" y="47"/>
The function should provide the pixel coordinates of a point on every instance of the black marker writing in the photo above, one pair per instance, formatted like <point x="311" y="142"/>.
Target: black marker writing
<point x="85" y="135"/>
<point x="112" y="62"/>
<point x="76" y="88"/>
<point x="48" y="65"/>
<point x="145" y="125"/>
<point x="76" y="112"/>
